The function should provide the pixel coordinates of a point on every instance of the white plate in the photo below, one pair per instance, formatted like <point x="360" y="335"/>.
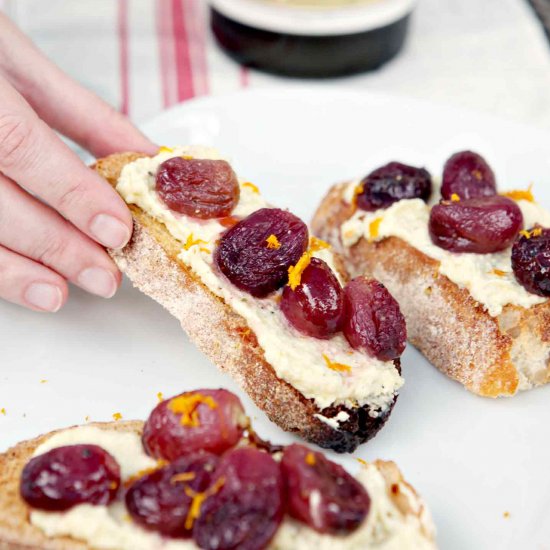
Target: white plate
<point x="472" y="459"/>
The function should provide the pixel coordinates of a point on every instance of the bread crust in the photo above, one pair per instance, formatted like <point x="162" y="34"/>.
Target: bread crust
<point x="150" y="260"/>
<point x="17" y="533"/>
<point x="490" y="356"/>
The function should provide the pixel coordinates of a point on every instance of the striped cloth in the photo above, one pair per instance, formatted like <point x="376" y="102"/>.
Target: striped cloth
<point x="144" y="56"/>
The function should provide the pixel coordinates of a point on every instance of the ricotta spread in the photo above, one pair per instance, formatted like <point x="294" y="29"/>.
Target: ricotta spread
<point x="297" y="359"/>
<point x="335" y="421"/>
<point x="110" y="527"/>
<point x="488" y="277"/>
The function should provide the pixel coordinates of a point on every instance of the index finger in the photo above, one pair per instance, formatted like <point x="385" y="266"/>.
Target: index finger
<point x="35" y="157"/>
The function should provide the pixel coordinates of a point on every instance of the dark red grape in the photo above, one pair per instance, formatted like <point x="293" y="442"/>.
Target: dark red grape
<point x="247" y="509"/>
<point x="254" y="264"/>
<point x="468" y="175"/>
<point x="391" y="183"/>
<point x="321" y="494"/>
<point x="531" y="261"/>
<point x="481" y="225"/>
<point x="209" y="420"/>
<point x="161" y="501"/>
<point x="198" y="187"/>
<point x="70" y="475"/>
<point x="373" y="322"/>
<point x="315" y="306"/>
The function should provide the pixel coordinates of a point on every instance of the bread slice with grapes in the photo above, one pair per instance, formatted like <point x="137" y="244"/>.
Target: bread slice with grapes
<point x="153" y="262"/>
<point x="395" y="512"/>
<point x="494" y="348"/>
<point x="16" y="531"/>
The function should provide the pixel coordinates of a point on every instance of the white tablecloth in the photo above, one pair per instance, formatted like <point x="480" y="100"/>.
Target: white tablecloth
<point x="144" y="55"/>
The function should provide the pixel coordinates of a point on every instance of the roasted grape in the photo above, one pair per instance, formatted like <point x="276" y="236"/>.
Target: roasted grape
<point x="373" y="321"/>
<point x="70" y="475"/>
<point x="531" y="261"/>
<point x="248" y="506"/>
<point x="255" y="254"/>
<point x="197" y="187"/>
<point x="321" y="494"/>
<point x="316" y="305"/>
<point x="391" y="183"/>
<point x="209" y="420"/>
<point x="481" y="225"/>
<point x="467" y="175"/>
<point x="161" y="501"/>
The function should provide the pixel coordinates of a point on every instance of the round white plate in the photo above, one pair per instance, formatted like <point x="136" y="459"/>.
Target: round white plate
<point x="474" y="460"/>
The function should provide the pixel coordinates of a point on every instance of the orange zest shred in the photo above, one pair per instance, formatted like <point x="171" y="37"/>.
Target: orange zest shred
<point x="537" y="232"/>
<point x="310" y="459"/>
<point x="145" y="472"/>
<point x="43" y="381"/>
<point x="251" y="186"/>
<point x="86" y="418"/>
<point x="160" y="396"/>
<point x="164" y="149"/>
<point x="295" y="271"/>
<point x="273" y="242"/>
<point x="187" y="157"/>
<point x="184" y="476"/>
<point x="455" y="198"/>
<point x="363" y="462"/>
<point x="187" y="406"/>
<point x="520" y="194"/>
<point x="498" y="272"/>
<point x="3" y="411"/>
<point x="477" y="175"/>
<point x="356" y="192"/>
<point x="117" y="416"/>
<point x="316" y="244"/>
<point x="506" y="515"/>
<point x="198" y="499"/>
<point x="192" y="242"/>
<point x="338" y="367"/>
<point x="374" y="227"/>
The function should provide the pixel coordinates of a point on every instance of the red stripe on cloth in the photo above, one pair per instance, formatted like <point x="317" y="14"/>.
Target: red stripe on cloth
<point x="196" y="28"/>
<point x="245" y="77"/>
<point x="124" y="56"/>
<point x="184" y="71"/>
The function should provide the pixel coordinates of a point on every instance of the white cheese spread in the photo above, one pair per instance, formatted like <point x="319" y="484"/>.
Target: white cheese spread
<point x="111" y="528"/>
<point x="297" y="359"/>
<point x="488" y="277"/>
<point x="335" y="421"/>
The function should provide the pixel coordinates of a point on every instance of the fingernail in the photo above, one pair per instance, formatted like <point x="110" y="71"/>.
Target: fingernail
<point x="44" y="296"/>
<point x="98" y="281"/>
<point x="109" y="231"/>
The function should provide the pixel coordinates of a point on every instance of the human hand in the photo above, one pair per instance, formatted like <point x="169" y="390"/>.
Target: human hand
<point x="56" y="214"/>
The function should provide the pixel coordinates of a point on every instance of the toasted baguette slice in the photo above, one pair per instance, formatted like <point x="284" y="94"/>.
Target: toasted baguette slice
<point x="150" y="260"/>
<point x="17" y="532"/>
<point x="490" y="356"/>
